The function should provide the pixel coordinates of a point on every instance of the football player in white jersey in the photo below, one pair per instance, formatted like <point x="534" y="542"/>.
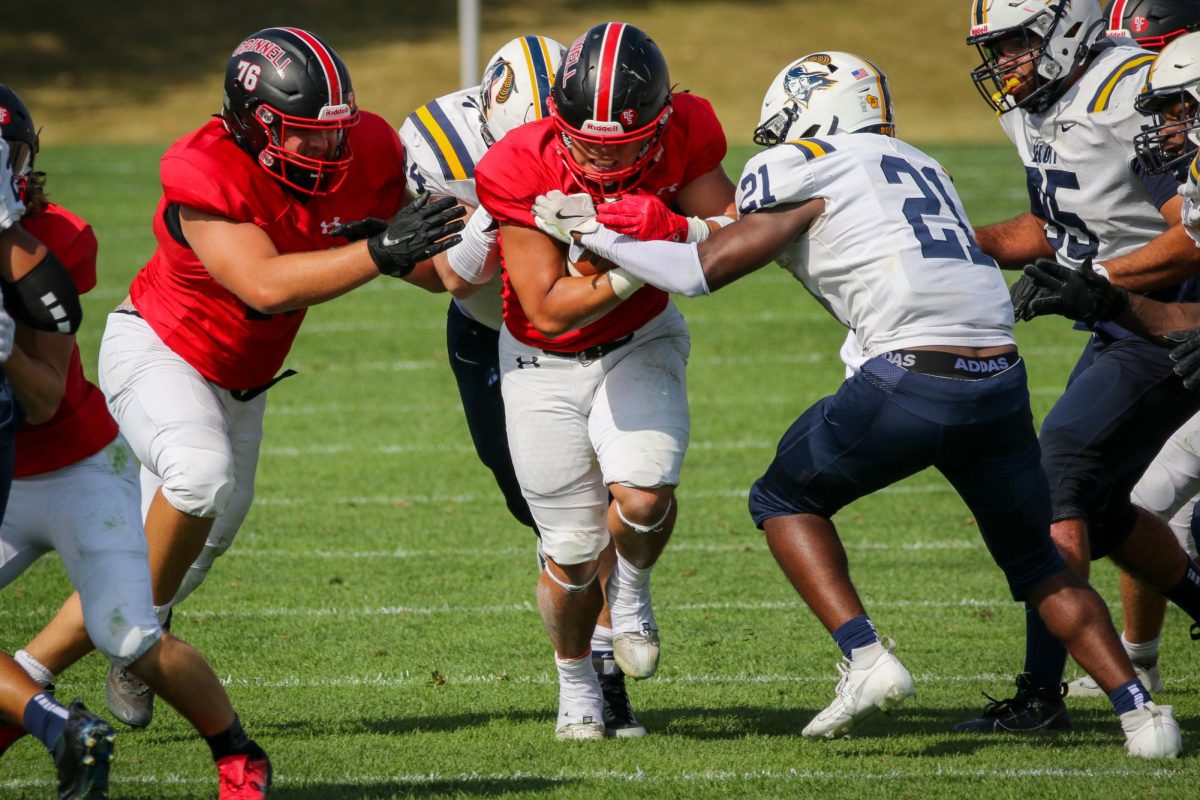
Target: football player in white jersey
<point x="942" y="385"/>
<point x="443" y="140"/>
<point x="1066" y="96"/>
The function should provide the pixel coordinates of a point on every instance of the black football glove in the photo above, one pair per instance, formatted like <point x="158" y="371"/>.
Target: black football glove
<point x="1081" y="294"/>
<point x="419" y="231"/>
<point x="1022" y="293"/>
<point x="1186" y="355"/>
<point x="359" y="229"/>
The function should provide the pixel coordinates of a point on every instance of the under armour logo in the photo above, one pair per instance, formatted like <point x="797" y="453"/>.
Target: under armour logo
<point x="326" y="227"/>
<point x="532" y="361"/>
<point x="674" y="187"/>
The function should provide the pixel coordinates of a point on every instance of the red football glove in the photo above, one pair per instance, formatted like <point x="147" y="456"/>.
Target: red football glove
<point x="643" y="216"/>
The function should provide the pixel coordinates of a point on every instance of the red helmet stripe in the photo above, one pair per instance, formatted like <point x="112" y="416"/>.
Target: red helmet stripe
<point x="607" y="72"/>
<point x="1115" y="14"/>
<point x="332" y="79"/>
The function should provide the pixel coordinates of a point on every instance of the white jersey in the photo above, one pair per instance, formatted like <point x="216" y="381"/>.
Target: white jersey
<point x="442" y="144"/>
<point x="1078" y="159"/>
<point x="892" y="257"/>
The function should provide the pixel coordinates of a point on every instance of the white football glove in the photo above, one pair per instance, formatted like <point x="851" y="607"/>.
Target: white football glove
<point x="11" y="207"/>
<point x="560" y="215"/>
<point x="8" y="329"/>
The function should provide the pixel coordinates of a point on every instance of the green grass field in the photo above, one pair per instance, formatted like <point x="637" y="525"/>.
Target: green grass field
<point x="375" y="619"/>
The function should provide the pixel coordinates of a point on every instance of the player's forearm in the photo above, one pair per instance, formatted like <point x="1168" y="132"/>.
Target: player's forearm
<point x="1015" y="242"/>
<point x="300" y="280"/>
<point x="426" y="276"/>
<point x="37" y="370"/>
<point x="1167" y="260"/>
<point x="1153" y="319"/>
<point x="572" y="303"/>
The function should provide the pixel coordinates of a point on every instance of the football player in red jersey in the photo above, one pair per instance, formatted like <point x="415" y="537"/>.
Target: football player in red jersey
<point x="245" y="233"/>
<point x="593" y="365"/>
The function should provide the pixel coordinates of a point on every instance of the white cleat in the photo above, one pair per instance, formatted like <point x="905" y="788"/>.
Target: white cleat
<point x="637" y="653"/>
<point x="872" y="680"/>
<point x="1086" y="686"/>
<point x="1152" y="732"/>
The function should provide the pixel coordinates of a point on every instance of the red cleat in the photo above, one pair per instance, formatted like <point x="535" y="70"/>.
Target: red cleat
<point x="243" y="778"/>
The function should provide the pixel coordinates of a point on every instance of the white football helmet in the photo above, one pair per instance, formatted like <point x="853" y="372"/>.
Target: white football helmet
<point x="822" y="94"/>
<point x="1174" y="79"/>
<point x="1056" y="37"/>
<point x="516" y="84"/>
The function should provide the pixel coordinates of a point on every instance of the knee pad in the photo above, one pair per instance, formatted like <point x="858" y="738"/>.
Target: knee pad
<point x="572" y="547"/>
<point x="652" y="527"/>
<point x="121" y="640"/>
<point x="199" y="482"/>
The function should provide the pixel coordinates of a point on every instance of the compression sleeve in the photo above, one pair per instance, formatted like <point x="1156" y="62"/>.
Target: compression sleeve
<point x="474" y="258"/>
<point x="671" y="266"/>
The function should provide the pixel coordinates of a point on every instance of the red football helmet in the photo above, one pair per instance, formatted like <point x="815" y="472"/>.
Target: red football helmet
<point x="1152" y="23"/>
<point x="283" y="85"/>
<point x="612" y="88"/>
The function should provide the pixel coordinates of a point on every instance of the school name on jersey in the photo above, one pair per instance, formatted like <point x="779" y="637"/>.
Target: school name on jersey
<point x="1042" y="153"/>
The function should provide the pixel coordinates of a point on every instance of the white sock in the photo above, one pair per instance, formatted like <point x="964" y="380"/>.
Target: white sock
<point x="34" y="668"/>
<point x="1143" y="653"/>
<point x="602" y="638"/>
<point x="579" y="695"/>
<point x="629" y="597"/>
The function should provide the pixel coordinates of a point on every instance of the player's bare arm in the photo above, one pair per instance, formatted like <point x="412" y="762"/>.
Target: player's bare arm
<point x="1166" y="260"/>
<point x="755" y="240"/>
<point x="554" y="301"/>
<point x="38" y="369"/>
<point x="1015" y="242"/>
<point x="710" y="195"/>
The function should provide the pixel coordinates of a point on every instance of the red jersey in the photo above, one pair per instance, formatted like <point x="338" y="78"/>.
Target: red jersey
<point x="527" y="162"/>
<point x="227" y="341"/>
<point x="81" y="426"/>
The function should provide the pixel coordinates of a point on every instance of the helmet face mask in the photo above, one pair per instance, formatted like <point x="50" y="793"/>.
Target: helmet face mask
<point x="823" y="94"/>
<point x="287" y="97"/>
<point x="516" y="85"/>
<point x="17" y="128"/>
<point x="612" y="89"/>
<point x="1028" y="50"/>
<point x="1171" y="97"/>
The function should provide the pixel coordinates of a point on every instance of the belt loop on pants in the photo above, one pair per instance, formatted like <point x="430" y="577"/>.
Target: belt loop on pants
<point x="593" y="353"/>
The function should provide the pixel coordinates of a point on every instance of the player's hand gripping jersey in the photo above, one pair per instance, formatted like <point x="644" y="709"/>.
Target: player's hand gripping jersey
<point x="892" y="257"/>
<point x="228" y="342"/>
<point x="526" y="163"/>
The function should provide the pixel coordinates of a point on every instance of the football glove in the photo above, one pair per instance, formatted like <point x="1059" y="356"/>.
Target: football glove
<point x="1186" y="355"/>
<point x="1021" y="293"/>
<point x="560" y="215"/>
<point x="645" y="217"/>
<point x="359" y="229"/>
<point x="1081" y="294"/>
<point x="419" y="231"/>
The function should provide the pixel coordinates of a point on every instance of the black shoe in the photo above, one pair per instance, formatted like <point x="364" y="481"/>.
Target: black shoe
<point x="1032" y="709"/>
<point x="619" y="721"/>
<point x="82" y="753"/>
<point x="1195" y="631"/>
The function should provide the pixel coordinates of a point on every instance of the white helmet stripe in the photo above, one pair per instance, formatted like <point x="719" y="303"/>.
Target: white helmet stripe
<point x="333" y="81"/>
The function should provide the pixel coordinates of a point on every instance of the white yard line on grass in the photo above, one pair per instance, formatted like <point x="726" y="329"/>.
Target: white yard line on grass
<point x="283" y="778"/>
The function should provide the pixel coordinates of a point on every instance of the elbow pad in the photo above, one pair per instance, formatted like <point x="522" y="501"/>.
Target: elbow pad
<point x="45" y="298"/>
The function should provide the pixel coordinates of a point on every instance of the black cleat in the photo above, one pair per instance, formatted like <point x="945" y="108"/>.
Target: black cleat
<point x="83" y="753"/>
<point x="1194" y="631"/>
<point x="1033" y="708"/>
<point x="619" y="721"/>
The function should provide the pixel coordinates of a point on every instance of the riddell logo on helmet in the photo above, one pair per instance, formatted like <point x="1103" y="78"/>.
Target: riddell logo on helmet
<point x="978" y="29"/>
<point x="602" y="128"/>
<point x="343" y="111"/>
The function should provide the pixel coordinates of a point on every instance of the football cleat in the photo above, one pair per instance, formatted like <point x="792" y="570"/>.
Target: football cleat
<point x="82" y="753"/>
<point x="580" y="708"/>
<point x="619" y="721"/>
<point x="129" y="698"/>
<point x="637" y="653"/>
<point x="1086" y="686"/>
<point x="1033" y="708"/>
<point x="872" y="680"/>
<point x="243" y="777"/>
<point x="1151" y="732"/>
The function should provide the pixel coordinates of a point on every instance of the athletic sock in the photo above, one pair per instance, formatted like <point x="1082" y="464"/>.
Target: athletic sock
<point x="1129" y="696"/>
<point x="1144" y="654"/>
<point x="1186" y="594"/>
<point x="233" y="741"/>
<point x="36" y="671"/>
<point x="602" y="639"/>
<point x="1045" y="657"/>
<point x="858" y="632"/>
<point x="45" y="718"/>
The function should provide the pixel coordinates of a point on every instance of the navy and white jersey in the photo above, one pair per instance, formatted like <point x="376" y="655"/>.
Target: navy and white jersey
<point x="442" y="144"/>
<point x="1079" y="157"/>
<point x="892" y="257"/>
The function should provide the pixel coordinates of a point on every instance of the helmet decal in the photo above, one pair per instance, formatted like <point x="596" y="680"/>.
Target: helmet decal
<point x="332" y="80"/>
<point x="800" y="84"/>
<point x="608" y="71"/>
